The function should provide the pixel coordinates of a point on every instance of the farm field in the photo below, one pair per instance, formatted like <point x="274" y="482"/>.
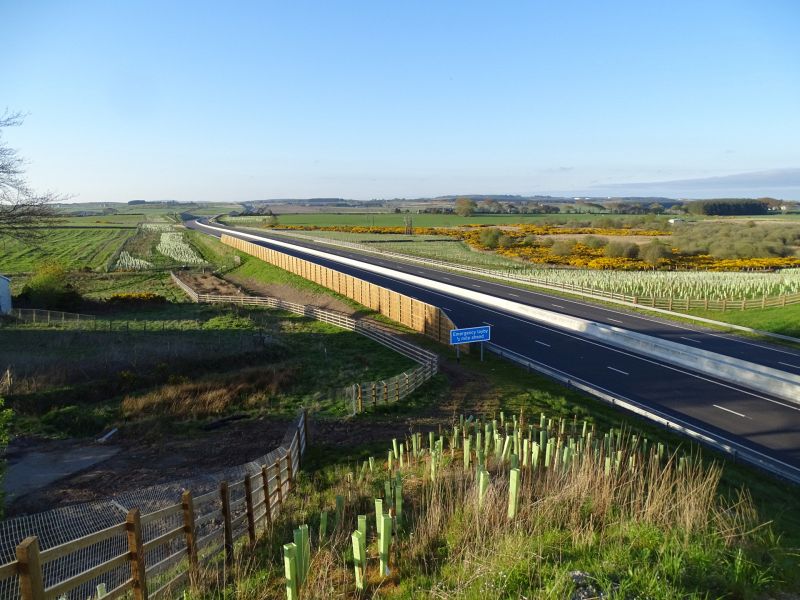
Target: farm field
<point x="117" y="221"/>
<point x="664" y="284"/>
<point x="157" y="245"/>
<point x="419" y="220"/>
<point x="76" y="248"/>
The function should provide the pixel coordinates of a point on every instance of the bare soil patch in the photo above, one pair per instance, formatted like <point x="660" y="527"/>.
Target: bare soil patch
<point x="206" y="283"/>
<point x="144" y="459"/>
<point x="290" y="294"/>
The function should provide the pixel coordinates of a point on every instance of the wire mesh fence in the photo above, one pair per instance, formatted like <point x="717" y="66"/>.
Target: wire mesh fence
<point x="89" y="543"/>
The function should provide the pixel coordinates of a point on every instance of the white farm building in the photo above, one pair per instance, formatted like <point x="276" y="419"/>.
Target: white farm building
<point x="5" y="295"/>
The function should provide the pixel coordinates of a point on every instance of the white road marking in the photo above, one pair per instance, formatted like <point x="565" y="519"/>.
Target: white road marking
<point x="789" y="365"/>
<point x="558" y="305"/>
<point x="475" y="285"/>
<point x="738" y="414"/>
<point x="683" y="337"/>
<point x="618" y="371"/>
<point x="446" y="278"/>
<point x="781" y="403"/>
<point x="615" y="320"/>
<point x="542" y="343"/>
<point x="515" y="295"/>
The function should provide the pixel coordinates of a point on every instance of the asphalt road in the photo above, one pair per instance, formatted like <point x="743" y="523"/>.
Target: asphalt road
<point x="760" y="422"/>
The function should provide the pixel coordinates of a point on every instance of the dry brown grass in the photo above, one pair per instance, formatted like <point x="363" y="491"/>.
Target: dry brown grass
<point x="452" y="547"/>
<point x="246" y="388"/>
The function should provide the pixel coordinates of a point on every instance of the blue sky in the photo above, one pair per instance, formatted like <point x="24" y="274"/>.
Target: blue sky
<point x="237" y="101"/>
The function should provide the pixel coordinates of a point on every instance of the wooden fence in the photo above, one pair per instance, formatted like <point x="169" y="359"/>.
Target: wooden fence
<point x="159" y="552"/>
<point x="419" y="316"/>
<point x="359" y="395"/>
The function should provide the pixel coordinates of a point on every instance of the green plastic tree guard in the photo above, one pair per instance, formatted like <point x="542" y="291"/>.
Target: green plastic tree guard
<point x="290" y="570"/>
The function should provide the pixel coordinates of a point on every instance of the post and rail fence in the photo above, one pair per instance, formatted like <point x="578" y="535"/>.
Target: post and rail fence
<point x="153" y="554"/>
<point x="359" y="395"/>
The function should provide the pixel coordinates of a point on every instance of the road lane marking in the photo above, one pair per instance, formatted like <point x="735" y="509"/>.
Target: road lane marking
<point x="618" y="371"/>
<point x="738" y="414"/>
<point x="515" y="295"/>
<point x="542" y="343"/>
<point x="615" y="320"/>
<point x="475" y="285"/>
<point x="789" y="365"/>
<point x="683" y="337"/>
<point x="558" y="305"/>
<point x="781" y="403"/>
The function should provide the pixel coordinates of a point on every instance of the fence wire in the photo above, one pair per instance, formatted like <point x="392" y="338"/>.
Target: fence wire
<point x="69" y="523"/>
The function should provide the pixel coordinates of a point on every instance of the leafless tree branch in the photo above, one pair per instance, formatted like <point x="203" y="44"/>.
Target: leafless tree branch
<point x="22" y="211"/>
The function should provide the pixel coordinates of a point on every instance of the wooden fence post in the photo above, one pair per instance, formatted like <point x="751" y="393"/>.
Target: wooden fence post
<point x="133" y="525"/>
<point x="187" y="505"/>
<point x="267" y="499"/>
<point x="31" y="582"/>
<point x="225" y="497"/>
<point x="289" y="474"/>
<point x="279" y="480"/>
<point x="360" y="398"/>
<point x="248" y="501"/>
<point x="305" y="429"/>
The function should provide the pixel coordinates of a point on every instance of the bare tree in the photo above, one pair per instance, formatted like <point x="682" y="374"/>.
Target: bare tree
<point x="21" y="209"/>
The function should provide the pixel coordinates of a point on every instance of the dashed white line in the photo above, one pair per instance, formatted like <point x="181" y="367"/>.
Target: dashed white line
<point x="475" y="285"/>
<point x="614" y="320"/>
<point x="542" y="343"/>
<point x="558" y="305"/>
<point x="619" y="371"/>
<point x="688" y="339"/>
<point x="738" y="414"/>
<point x="789" y="365"/>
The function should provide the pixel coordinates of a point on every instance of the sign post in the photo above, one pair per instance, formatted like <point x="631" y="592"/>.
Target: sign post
<point x="469" y="335"/>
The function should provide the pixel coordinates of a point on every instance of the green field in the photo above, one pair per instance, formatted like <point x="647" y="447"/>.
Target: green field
<point x="75" y="248"/>
<point x="114" y="221"/>
<point x="418" y="220"/>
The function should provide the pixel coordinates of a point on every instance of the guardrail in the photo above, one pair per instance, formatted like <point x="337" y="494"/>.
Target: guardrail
<point x="151" y="556"/>
<point x="733" y="449"/>
<point x="393" y="389"/>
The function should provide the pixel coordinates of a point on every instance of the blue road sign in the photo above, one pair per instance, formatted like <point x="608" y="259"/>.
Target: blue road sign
<point x="470" y="334"/>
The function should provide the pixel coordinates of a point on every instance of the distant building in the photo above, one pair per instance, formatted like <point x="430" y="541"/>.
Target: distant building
<point x="5" y="295"/>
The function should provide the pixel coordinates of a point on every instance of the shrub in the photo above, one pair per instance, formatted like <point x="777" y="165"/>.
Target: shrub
<point x="489" y="238"/>
<point x="622" y="250"/>
<point x="48" y="288"/>
<point x="594" y="242"/>
<point x="563" y="247"/>
<point x="654" y="252"/>
<point x="506" y="241"/>
<point x="74" y="421"/>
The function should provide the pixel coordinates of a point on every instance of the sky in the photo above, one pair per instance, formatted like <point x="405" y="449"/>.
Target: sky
<point x="211" y="101"/>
